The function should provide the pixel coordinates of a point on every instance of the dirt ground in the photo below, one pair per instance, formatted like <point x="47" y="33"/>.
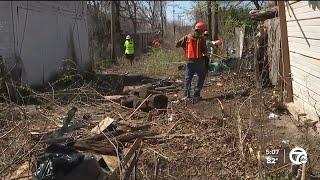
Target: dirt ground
<point x="210" y="150"/>
<point x="203" y="139"/>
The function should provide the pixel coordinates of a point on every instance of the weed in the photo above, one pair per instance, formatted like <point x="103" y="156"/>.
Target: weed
<point x="162" y="61"/>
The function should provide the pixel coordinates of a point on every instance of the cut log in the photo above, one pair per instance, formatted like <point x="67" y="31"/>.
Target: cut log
<point x="127" y="89"/>
<point x="158" y="101"/>
<point x="128" y="102"/>
<point x="262" y="15"/>
<point x="100" y="137"/>
<point x="115" y="98"/>
<point x="144" y="107"/>
<point x="102" y="148"/>
<point x="103" y="124"/>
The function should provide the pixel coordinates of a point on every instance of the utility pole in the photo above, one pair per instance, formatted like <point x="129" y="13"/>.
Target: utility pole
<point x="161" y="16"/>
<point x="209" y="18"/>
<point x="113" y="14"/>
<point x="179" y="22"/>
<point x="174" y="26"/>
<point x="215" y="20"/>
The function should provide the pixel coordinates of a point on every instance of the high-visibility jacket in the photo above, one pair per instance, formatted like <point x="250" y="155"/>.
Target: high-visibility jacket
<point x="195" y="47"/>
<point x="129" y="47"/>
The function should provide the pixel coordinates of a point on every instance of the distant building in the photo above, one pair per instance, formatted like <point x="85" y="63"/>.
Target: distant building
<point x="43" y="34"/>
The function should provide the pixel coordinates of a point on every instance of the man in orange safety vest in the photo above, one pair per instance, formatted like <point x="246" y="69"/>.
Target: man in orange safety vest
<point x="194" y="46"/>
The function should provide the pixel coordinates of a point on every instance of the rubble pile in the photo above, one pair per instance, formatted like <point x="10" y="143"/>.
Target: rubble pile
<point x="109" y="147"/>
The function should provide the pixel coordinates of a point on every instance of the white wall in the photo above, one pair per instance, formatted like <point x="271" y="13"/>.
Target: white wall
<point x="303" y="23"/>
<point x="44" y="30"/>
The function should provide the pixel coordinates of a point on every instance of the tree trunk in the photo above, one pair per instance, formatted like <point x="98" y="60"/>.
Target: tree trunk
<point x="215" y="20"/>
<point x="209" y="19"/>
<point x="135" y="17"/>
<point x="256" y="3"/>
<point x="113" y="18"/>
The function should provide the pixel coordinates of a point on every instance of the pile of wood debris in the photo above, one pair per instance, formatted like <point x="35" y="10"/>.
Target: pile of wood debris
<point x="114" y="142"/>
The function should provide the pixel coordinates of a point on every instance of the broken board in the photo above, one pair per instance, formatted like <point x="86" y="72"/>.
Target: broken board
<point x="102" y="125"/>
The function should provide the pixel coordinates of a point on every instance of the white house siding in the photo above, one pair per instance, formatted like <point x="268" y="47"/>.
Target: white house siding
<point x="303" y="23"/>
<point x="44" y="30"/>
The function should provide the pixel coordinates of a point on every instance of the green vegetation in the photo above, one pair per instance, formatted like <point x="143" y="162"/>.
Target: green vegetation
<point x="237" y="17"/>
<point x="162" y="61"/>
<point x="104" y="64"/>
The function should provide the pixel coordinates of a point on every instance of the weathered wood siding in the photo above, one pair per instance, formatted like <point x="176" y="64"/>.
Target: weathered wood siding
<point x="274" y="51"/>
<point x="303" y="23"/>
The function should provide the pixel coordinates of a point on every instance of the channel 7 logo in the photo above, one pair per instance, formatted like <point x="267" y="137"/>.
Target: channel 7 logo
<point x="298" y="156"/>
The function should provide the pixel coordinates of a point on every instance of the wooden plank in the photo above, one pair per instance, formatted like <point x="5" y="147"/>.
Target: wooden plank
<point x="135" y="146"/>
<point x="304" y="75"/>
<point x="303" y="52"/>
<point x="102" y="125"/>
<point x="305" y="92"/>
<point x="285" y="53"/>
<point x="312" y="52"/>
<point x="303" y="33"/>
<point x="111" y="161"/>
<point x="22" y="172"/>
<point x="307" y="60"/>
<point x="301" y="7"/>
<point x="303" y="63"/>
<point x="306" y="29"/>
<point x="274" y="53"/>
<point x="308" y="98"/>
<point x="306" y="84"/>
<point x="304" y="23"/>
<point x="293" y="16"/>
<point x="297" y="5"/>
<point x="302" y="41"/>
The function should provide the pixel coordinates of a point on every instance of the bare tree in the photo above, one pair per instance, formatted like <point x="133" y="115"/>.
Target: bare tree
<point x="256" y="3"/>
<point x="209" y="18"/>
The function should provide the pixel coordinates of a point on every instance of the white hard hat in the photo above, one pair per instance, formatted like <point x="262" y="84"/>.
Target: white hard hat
<point x="128" y="37"/>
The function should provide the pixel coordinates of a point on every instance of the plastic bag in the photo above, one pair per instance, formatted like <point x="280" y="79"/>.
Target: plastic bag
<point x="57" y="160"/>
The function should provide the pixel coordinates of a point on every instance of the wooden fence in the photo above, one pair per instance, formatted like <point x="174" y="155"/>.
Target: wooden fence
<point x="274" y="50"/>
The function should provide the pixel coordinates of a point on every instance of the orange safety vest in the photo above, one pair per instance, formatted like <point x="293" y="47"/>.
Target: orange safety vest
<point x="194" y="47"/>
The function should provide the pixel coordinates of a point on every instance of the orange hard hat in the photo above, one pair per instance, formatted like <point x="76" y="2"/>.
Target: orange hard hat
<point x="200" y="26"/>
<point x="206" y="33"/>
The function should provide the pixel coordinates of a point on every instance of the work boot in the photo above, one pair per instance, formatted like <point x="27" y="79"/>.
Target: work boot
<point x="186" y="100"/>
<point x="196" y="99"/>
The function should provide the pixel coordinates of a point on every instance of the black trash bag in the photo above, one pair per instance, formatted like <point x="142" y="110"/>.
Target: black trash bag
<point x="57" y="160"/>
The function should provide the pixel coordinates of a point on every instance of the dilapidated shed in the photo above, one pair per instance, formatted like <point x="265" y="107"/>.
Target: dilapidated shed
<point x="37" y="36"/>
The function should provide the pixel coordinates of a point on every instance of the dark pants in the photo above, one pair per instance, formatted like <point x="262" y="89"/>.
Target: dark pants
<point x="206" y="61"/>
<point x="192" y="68"/>
<point x="130" y="57"/>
